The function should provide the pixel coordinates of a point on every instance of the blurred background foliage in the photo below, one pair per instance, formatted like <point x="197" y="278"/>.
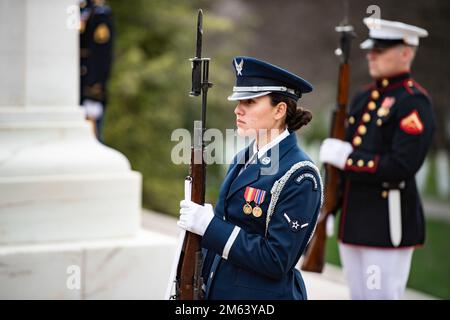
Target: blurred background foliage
<point x="149" y="87"/>
<point x="151" y="79"/>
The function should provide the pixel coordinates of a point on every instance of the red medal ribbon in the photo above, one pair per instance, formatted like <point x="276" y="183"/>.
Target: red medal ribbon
<point x="249" y="194"/>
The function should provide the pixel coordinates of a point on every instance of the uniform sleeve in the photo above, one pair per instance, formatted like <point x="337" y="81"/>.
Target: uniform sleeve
<point x="289" y="229"/>
<point x="101" y="55"/>
<point x="412" y="138"/>
<point x="103" y="41"/>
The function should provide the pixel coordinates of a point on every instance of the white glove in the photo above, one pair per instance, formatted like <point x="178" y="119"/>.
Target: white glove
<point x="93" y="109"/>
<point x="335" y="152"/>
<point x="194" y="217"/>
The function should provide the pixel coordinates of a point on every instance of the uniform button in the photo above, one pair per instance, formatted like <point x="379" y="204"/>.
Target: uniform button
<point x="384" y="194"/>
<point x="371" y="164"/>
<point x="372" y="105"/>
<point x="211" y="275"/>
<point x="366" y="117"/>
<point x="351" y="120"/>
<point x="410" y="83"/>
<point x="357" y="140"/>
<point x="385" y="83"/>
<point x="379" y="122"/>
<point x="360" y="163"/>
<point x="349" y="162"/>
<point x="362" y="129"/>
<point x="375" y="95"/>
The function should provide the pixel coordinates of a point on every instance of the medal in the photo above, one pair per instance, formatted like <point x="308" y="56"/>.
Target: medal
<point x="386" y="105"/>
<point x="257" y="212"/>
<point x="247" y="208"/>
<point x="259" y="198"/>
<point x="383" y="112"/>
<point x="249" y="195"/>
<point x="388" y="102"/>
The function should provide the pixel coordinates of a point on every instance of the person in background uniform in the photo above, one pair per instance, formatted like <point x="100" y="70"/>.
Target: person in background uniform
<point x="389" y="131"/>
<point x="270" y="198"/>
<point x="96" y="44"/>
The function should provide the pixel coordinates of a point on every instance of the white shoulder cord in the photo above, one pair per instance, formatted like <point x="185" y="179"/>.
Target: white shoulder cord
<point x="279" y="185"/>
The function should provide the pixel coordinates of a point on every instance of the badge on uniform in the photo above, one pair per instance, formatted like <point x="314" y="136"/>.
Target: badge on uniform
<point x="294" y="224"/>
<point x="388" y="102"/>
<point x="265" y="161"/>
<point x="412" y="124"/>
<point x="239" y="66"/>
<point x="256" y="195"/>
<point x="259" y="198"/>
<point x="249" y="195"/>
<point x="385" y="107"/>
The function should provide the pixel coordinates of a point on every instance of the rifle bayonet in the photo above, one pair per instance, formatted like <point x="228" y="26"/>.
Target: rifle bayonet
<point x="314" y="259"/>
<point x="189" y="279"/>
<point x="196" y="63"/>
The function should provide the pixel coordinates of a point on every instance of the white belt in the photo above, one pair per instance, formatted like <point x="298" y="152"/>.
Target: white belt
<point x="395" y="217"/>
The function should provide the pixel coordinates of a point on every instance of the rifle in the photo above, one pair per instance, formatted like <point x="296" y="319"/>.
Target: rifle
<point x="314" y="259"/>
<point x="188" y="262"/>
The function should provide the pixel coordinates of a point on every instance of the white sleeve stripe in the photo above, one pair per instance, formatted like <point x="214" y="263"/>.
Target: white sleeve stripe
<point x="231" y="239"/>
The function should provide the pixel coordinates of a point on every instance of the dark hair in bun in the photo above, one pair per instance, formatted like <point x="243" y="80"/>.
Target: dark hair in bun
<point x="295" y="117"/>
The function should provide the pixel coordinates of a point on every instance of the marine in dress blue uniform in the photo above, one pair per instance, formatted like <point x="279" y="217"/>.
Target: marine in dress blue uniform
<point x="390" y="126"/>
<point x="96" y="45"/>
<point x="389" y="130"/>
<point x="252" y="254"/>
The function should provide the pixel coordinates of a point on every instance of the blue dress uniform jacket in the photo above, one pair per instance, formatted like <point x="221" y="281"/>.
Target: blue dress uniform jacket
<point x="390" y="126"/>
<point x="248" y="257"/>
<point x="96" y="45"/>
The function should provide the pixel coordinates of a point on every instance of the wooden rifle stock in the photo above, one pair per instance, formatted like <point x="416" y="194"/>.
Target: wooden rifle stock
<point x="190" y="282"/>
<point x="314" y="258"/>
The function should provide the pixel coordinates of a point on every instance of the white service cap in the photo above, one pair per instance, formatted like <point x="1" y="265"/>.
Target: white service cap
<point x="391" y="32"/>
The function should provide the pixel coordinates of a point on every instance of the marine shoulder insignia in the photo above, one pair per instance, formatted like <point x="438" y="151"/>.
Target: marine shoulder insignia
<point x="412" y="124"/>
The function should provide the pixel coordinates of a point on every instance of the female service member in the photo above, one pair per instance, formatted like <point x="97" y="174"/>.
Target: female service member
<point x="271" y="196"/>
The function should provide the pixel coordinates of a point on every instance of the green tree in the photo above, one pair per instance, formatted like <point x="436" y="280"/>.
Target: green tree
<point x="148" y="91"/>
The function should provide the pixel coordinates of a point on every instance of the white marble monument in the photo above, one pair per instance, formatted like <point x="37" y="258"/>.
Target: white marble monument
<point x="70" y="207"/>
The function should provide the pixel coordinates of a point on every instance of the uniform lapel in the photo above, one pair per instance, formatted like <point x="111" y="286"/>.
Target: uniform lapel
<point x="236" y="167"/>
<point x="252" y="172"/>
<point x="248" y="176"/>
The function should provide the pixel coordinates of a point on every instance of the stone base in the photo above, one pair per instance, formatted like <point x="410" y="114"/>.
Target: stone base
<point x="58" y="183"/>
<point x="69" y="207"/>
<point x="115" y="268"/>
